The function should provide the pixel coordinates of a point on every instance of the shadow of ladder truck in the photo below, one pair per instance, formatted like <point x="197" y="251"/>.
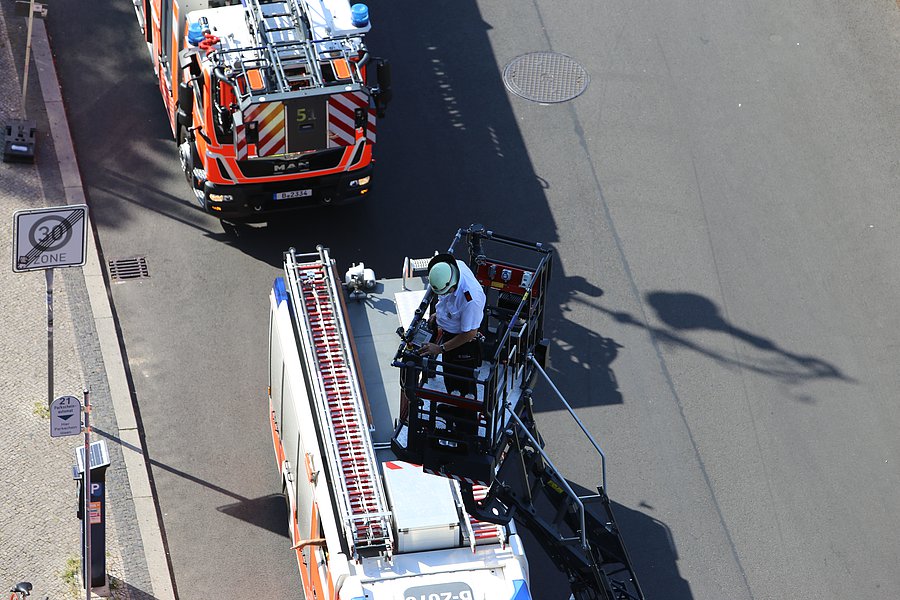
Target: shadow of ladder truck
<point x="493" y="439"/>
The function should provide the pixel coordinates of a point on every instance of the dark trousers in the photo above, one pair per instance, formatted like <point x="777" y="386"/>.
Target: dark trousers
<point x="458" y="364"/>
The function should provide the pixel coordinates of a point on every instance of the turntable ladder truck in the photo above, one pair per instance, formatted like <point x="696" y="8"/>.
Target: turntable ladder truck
<point x="364" y="523"/>
<point x="491" y="442"/>
<point x="273" y="103"/>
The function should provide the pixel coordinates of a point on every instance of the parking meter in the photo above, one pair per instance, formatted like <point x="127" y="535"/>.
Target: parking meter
<point x="97" y="516"/>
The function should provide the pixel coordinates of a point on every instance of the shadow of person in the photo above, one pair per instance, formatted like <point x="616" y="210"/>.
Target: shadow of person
<point x="577" y="284"/>
<point x="579" y="355"/>
<point x="684" y="310"/>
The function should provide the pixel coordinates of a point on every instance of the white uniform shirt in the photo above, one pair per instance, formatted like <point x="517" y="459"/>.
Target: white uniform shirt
<point x="462" y="309"/>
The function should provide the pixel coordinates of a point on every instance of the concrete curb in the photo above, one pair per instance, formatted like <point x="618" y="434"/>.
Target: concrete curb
<point x="132" y="448"/>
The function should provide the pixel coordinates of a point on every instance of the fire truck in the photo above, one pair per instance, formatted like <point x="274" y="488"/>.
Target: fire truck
<point x="273" y="103"/>
<point x="423" y="503"/>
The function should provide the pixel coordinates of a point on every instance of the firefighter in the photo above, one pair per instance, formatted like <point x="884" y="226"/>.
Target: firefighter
<point x="458" y="314"/>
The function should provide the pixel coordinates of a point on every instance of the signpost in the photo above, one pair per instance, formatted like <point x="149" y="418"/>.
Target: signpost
<point x="91" y="460"/>
<point x="45" y="238"/>
<point x="33" y="8"/>
<point x="19" y="139"/>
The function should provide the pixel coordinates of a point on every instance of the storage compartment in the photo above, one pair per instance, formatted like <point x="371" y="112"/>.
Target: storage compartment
<point x="425" y="515"/>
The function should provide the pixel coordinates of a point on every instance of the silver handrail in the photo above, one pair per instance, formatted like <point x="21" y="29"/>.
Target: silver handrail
<point x="574" y="416"/>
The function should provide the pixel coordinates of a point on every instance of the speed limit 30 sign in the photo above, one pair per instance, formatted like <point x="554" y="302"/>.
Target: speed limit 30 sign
<point x="46" y="238"/>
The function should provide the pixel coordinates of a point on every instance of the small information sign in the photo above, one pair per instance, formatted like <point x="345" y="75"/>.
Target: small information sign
<point x="96" y="517"/>
<point x="65" y="416"/>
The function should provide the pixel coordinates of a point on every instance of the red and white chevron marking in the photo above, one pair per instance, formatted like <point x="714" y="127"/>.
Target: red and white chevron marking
<point x="240" y="137"/>
<point x="341" y="129"/>
<point x="270" y="124"/>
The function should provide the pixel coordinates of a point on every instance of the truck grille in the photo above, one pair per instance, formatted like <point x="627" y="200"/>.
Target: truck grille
<point x="268" y="167"/>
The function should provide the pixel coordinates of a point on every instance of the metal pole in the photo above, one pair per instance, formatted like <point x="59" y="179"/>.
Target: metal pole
<point x="87" y="494"/>
<point x="27" y="53"/>
<point x="49" y="274"/>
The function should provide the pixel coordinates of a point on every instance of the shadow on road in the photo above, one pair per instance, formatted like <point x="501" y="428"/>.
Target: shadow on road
<point x="269" y="512"/>
<point x="684" y="312"/>
<point x="654" y="554"/>
<point x="123" y="589"/>
<point x="580" y="357"/>
<point x="650" y="546"/>
<point x="450" y="153"/>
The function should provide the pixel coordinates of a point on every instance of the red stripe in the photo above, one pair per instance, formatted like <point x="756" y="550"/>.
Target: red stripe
<point x="241" y="146"/>
<point x="355" y="100"/>
<point x="343" y="110"/>
<point x="358" y="100"/>
<point x="345" y="128"/>
<point x="253" y="111"/>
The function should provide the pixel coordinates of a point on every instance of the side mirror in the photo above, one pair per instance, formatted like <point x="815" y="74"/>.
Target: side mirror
<point x="185" y="104"/>
<point x="384" y="93"/>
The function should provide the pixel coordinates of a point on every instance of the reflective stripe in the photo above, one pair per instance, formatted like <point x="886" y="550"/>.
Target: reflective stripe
<point x="240" y="137"/>
<point x="342" y="118"/>
<point x="270" y="123"/>
<point x="256" y="80"/>
<point x="341" y="68"/>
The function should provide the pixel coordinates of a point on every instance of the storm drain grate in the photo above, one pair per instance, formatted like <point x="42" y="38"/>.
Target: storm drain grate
<point x="545" y="77"/>
<point x="123" y="269"/>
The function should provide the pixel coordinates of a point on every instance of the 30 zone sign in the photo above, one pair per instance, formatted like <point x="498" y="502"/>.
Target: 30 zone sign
<point x="46" y="238"/>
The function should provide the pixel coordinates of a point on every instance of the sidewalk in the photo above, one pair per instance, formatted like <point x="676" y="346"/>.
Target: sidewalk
<point x="39" y="532"/>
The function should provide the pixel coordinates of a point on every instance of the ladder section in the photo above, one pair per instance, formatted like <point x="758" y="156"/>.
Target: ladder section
<point x="358" y="491"/>
<point x="299" y="59"/>
<point x="279" y="29"/>
<point x="482" y="531"/>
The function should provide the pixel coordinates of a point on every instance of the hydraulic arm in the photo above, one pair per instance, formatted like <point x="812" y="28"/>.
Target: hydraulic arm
<point x="578" y="531"/>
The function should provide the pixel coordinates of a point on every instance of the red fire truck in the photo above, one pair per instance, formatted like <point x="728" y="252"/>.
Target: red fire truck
<point x="273" y="103"/>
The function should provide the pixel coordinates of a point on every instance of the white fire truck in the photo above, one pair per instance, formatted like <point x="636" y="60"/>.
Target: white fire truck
<point x="424" y="507"/>
<point x="273" y="103"/>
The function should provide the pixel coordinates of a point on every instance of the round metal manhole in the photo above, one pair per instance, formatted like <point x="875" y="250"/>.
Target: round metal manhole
<point x="545" y="77"/>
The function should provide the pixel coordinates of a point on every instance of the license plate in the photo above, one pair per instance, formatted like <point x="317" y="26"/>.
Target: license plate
<point x="447" y="591"/>
<point x="293" y="194"/>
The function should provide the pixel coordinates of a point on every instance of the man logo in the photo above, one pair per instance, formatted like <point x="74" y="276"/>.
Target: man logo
<point x="300" y="165"/>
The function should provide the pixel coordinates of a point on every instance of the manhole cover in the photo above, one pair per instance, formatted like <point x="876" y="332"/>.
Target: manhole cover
<point x="123" y="269"/>
<point x="545" y="77"/>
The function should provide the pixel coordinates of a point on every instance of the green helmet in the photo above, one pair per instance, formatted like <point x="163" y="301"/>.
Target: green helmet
<point x="442" y="276"/>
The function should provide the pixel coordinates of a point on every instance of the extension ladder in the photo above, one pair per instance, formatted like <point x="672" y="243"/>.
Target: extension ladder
<point x="339" y="404"/>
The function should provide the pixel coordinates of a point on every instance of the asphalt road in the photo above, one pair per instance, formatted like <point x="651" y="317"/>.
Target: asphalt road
<point x="721" y="199"/>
